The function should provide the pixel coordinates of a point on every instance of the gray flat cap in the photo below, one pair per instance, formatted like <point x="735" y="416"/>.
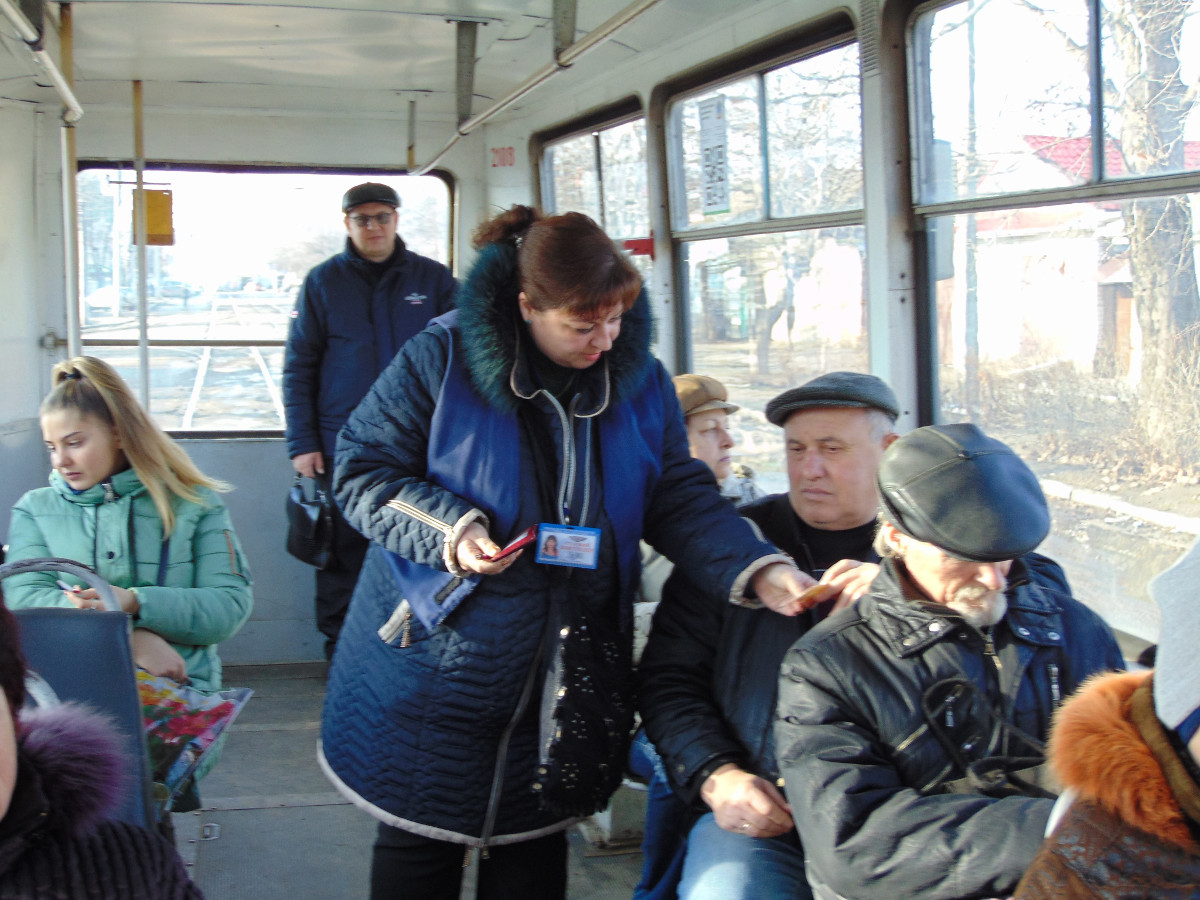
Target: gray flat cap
<point x="966" y="493"/>
<point x="369" y="192"/>
<point x="837" y="389"/>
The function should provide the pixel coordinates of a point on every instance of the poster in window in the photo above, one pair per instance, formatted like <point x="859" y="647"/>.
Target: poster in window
<point x="714" y="158"/>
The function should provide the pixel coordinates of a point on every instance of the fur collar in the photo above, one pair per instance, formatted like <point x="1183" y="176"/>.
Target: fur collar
<point x="1105" y="748"/>
<point x="76" y="754"/>
<point x="488" y="321"/>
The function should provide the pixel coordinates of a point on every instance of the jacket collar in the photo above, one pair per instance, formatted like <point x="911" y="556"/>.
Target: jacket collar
<point x="491" y="330"/>
<point x="395" y="261"/>
<point x="123" y="484"/>
<point x="1144" y="781"/>
<point x="909" y="625"/>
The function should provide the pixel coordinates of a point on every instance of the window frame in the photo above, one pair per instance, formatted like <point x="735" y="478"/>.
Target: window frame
<point x="144" y="347"/>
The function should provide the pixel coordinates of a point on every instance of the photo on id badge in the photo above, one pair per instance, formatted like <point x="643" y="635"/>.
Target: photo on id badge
<point x="568" y="545"/>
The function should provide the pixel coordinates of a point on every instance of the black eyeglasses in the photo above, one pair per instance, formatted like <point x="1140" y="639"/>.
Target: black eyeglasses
<point x="378" y="219"/>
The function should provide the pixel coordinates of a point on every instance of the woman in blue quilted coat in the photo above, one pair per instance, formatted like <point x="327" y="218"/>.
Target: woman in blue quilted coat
<point x="483" y="701"/>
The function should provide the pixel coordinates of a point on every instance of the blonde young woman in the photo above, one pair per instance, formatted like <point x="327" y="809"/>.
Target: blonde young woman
<point x="125" y="500"/>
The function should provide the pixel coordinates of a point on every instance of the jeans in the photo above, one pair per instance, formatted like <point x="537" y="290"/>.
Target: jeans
<point x="664" y="838"/>
<point x="408" y="866"/>
<point x="721" y="865"/>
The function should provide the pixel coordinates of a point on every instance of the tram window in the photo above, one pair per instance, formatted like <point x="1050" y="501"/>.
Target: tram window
<point x="602" y="174"/>
<point x="769" y="311"/>
<point x="1005" y="88"/>
<point x="717" y="137"/>
<point x="219" y="299"/>
<point x="1071" y="329"/>
<point x="811" y="149"/>
<point x="574" y="171"/>
<point x="814" y="134"/>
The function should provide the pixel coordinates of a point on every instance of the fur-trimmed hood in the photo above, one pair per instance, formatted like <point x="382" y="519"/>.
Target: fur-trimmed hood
<point x="76" y="755"/>
<point x="1108" y="745"/>
<point x="490" y="325"/>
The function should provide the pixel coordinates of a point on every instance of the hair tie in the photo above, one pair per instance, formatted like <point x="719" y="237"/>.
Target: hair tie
<point x="74" y="375"/>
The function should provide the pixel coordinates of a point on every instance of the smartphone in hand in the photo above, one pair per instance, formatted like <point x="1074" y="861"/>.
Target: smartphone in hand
<point x="528" y="536"/>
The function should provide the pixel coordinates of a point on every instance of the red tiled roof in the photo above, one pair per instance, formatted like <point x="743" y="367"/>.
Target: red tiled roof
<point x="1074" y="155"/>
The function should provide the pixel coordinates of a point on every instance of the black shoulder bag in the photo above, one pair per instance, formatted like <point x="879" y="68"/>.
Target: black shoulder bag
<point x="310" y="526"/>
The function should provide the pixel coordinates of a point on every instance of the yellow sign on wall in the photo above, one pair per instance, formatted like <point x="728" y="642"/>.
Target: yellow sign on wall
<point x="160" y="230"/>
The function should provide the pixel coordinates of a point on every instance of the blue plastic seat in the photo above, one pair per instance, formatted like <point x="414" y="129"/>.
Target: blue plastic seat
<point x="86" y="657"/>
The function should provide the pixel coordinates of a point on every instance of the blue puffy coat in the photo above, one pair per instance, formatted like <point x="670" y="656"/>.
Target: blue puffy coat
<point x="432" y="721"/>
<point x="346" y="328"/>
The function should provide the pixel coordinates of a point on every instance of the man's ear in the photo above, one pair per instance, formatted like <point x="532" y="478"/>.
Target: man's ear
<point x="893" y="537"/>
<point x="525" y="306"/>
<point x="888" y="438"/>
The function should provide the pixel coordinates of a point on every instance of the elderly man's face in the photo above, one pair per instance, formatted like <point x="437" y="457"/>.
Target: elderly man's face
<point x="832" y="457"/>
<point x="972" y="589"/>
<point x="372" y="237"/>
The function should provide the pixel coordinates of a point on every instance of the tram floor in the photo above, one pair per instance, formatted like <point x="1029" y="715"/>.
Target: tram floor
<point x="272" y="826"/>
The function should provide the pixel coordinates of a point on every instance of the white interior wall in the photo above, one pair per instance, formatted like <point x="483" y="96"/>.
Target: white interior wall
<point x="30" y="299"/>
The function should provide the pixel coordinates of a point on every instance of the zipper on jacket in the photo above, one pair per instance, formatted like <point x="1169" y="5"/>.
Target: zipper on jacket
<point x="420" y="515"/>
<point x="1055" y="687"/>
<point x="493" y="808"/>
<point x="989" y="650"/>
<point x="566" y="481"/>
<point x="397" y="624"/>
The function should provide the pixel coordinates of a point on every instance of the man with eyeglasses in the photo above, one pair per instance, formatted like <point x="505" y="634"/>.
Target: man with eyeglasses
<point x="353" y="314"/>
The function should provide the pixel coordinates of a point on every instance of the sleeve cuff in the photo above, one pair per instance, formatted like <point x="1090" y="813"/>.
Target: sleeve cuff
<point x="739" y="594"/>
<point x="454" y="535"/>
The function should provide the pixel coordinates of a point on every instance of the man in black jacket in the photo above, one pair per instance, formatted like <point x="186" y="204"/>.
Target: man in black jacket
<point x="709" y="675"/>
<point x="354" y="313"/>
<point x="910" y="726"/>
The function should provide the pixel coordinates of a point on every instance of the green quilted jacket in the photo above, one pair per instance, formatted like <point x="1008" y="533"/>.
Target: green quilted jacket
<point x="194" y="589"/>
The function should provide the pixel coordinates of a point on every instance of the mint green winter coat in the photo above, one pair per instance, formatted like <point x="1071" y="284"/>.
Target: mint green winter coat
<point x="202" y="596"/>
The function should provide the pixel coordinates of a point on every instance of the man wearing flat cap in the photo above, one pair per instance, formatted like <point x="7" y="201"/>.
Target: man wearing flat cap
<point x="910" y="726"/>
<point x="353" y="314"/>
<point x="709" y="677"/>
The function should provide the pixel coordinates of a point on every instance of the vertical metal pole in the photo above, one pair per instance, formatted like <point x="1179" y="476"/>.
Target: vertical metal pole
<point x="465" y="59"/>
<point x="412" y="134"/>
<point x="66" y="38"/>
<point x="564" y="25"/>
<point x="139" y="226"/>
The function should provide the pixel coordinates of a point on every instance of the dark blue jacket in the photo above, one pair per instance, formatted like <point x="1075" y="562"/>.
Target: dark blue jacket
<point x="436" y="729"/>
<point x="708" y="680"/>
<point x="867" y="769"/>
<point x="345" y="331"/>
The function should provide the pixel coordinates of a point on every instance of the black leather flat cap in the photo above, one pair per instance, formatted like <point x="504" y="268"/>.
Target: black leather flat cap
<point x="838" y="389"/>
<point x="369" y="192"/>
<point x="966" y="493"/>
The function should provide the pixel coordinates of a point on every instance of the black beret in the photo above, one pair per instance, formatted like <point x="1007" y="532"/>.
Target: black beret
<point x="369" y="192"/>
<point x="836" y="389"/>
<point x="966" y="493"/>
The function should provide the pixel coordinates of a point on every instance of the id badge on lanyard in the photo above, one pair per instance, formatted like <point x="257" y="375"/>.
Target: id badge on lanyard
<point x="568" y="545"/>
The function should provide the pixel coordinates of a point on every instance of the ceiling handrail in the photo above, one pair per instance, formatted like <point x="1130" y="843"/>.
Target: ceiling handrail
<point x="562" y="61"/>
<point x="72" y="112"/>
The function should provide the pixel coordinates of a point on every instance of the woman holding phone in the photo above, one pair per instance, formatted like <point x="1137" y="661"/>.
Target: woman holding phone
<point x="125" y="500"/>
<point x="483" y="701"/>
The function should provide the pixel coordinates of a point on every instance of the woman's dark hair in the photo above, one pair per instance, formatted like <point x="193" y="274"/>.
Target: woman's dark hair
<point x="565" y="262"/>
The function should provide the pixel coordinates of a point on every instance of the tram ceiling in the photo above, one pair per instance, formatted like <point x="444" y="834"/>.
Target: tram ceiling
<point x="355" y="57"/>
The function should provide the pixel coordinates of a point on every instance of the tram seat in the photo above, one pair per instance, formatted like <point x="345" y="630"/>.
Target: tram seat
<point x="86" y="657"/>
